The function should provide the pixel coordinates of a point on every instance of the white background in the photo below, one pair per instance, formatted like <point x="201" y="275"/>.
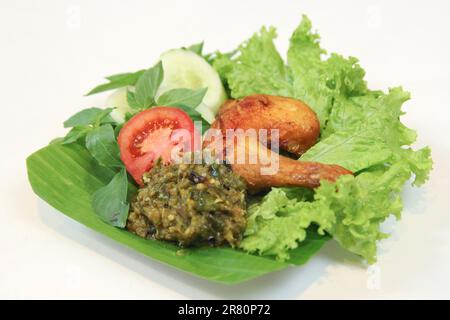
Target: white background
<point x="52" y="52"/>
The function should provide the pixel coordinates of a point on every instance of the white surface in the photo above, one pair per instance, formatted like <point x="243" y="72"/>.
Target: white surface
<point x="52" y="52"/>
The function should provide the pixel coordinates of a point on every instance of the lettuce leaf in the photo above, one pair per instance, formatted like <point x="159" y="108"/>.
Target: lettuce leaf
<point x="360" y="204"/>
<point x="360" y="130"/>
<point x="351" y="210"/>
<point x="258" y="68"/>
<point x="366" y="131"/>
<point x="278" y="224"/>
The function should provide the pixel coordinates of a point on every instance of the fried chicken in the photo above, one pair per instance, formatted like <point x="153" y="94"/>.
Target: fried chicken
<point x="259" y="166"/>
<point x="263" y="168"/>
<point x="298" y="125"/>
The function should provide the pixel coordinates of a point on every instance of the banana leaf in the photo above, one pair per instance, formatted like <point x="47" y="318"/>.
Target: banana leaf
<point x="66" y="176"/>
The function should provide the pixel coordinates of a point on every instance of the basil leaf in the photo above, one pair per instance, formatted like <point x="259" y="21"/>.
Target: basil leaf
<point x="110" y="202"/>
<point x="87" y="117"/>
<point x="200" y="123"/>
<point x="118" y="81"/>
<point x="117" y="129"/>
<point x="75" y="134"/>
<point x="147" y="85"/>
<point x="131" y="99"/>
<point x="128" y="116"/>
<point x="196" y="48"/>
<point x="101" y="143"/>
<point x="186" y="100"/>
<point x="182" y="97"/>
<point x="127" y="76"/>
<point x="104" y="117"/>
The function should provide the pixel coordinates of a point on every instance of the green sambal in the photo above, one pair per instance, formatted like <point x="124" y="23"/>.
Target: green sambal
<point x="191" y="204"/>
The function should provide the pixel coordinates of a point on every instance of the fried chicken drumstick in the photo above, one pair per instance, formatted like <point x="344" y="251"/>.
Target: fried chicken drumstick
<point x="298" y="130"/>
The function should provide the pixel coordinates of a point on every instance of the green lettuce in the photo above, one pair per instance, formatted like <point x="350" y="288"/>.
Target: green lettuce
<point x="278" y="224"/>
<point x="360" y="130"/>
<point x="259" y="68"/>
<point x="351" y="210"/>
<point x="360" y="204"/>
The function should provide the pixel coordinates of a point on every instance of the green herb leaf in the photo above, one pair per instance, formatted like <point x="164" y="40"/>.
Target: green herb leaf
<point x="117" y="129"/>
<point x="76" y="133"/>
<point x="90" y="116"/>
<point x="118" y="81"/>
<point x="104" y="117"/>
<point x="182" y="97"/>
<point x="196" y="48"/>
<point x="131" y="99"/>
<point x="199" y="122"/>
<point x="125" y="76"/>
<point x="101" y="143"/>
<point x="147" y="85"/>
<point x="187" y="100"/>
<point x="110" y="202"/>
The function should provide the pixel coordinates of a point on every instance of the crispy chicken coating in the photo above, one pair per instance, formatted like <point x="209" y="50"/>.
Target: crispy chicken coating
<point x="260" y="167"/>
<point x="298" y="125"/>
<point x="279" y="171"/>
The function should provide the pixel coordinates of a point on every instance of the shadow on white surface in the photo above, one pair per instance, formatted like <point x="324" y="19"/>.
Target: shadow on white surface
<point x="285" y="284"/>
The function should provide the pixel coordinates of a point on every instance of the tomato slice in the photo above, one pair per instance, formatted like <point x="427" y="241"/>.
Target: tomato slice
<point x="160" y="132"/>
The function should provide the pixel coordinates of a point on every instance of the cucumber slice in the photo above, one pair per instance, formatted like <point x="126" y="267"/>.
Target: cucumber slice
<point x="182" y="69"/>
<point x="186" y="69"/>
<point x="118" y="100"/>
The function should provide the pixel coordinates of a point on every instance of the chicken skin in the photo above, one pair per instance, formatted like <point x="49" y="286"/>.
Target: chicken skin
<point x="248" y="155"/>
<point x="262" y="168"/>
<point x="298" y="125"/>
